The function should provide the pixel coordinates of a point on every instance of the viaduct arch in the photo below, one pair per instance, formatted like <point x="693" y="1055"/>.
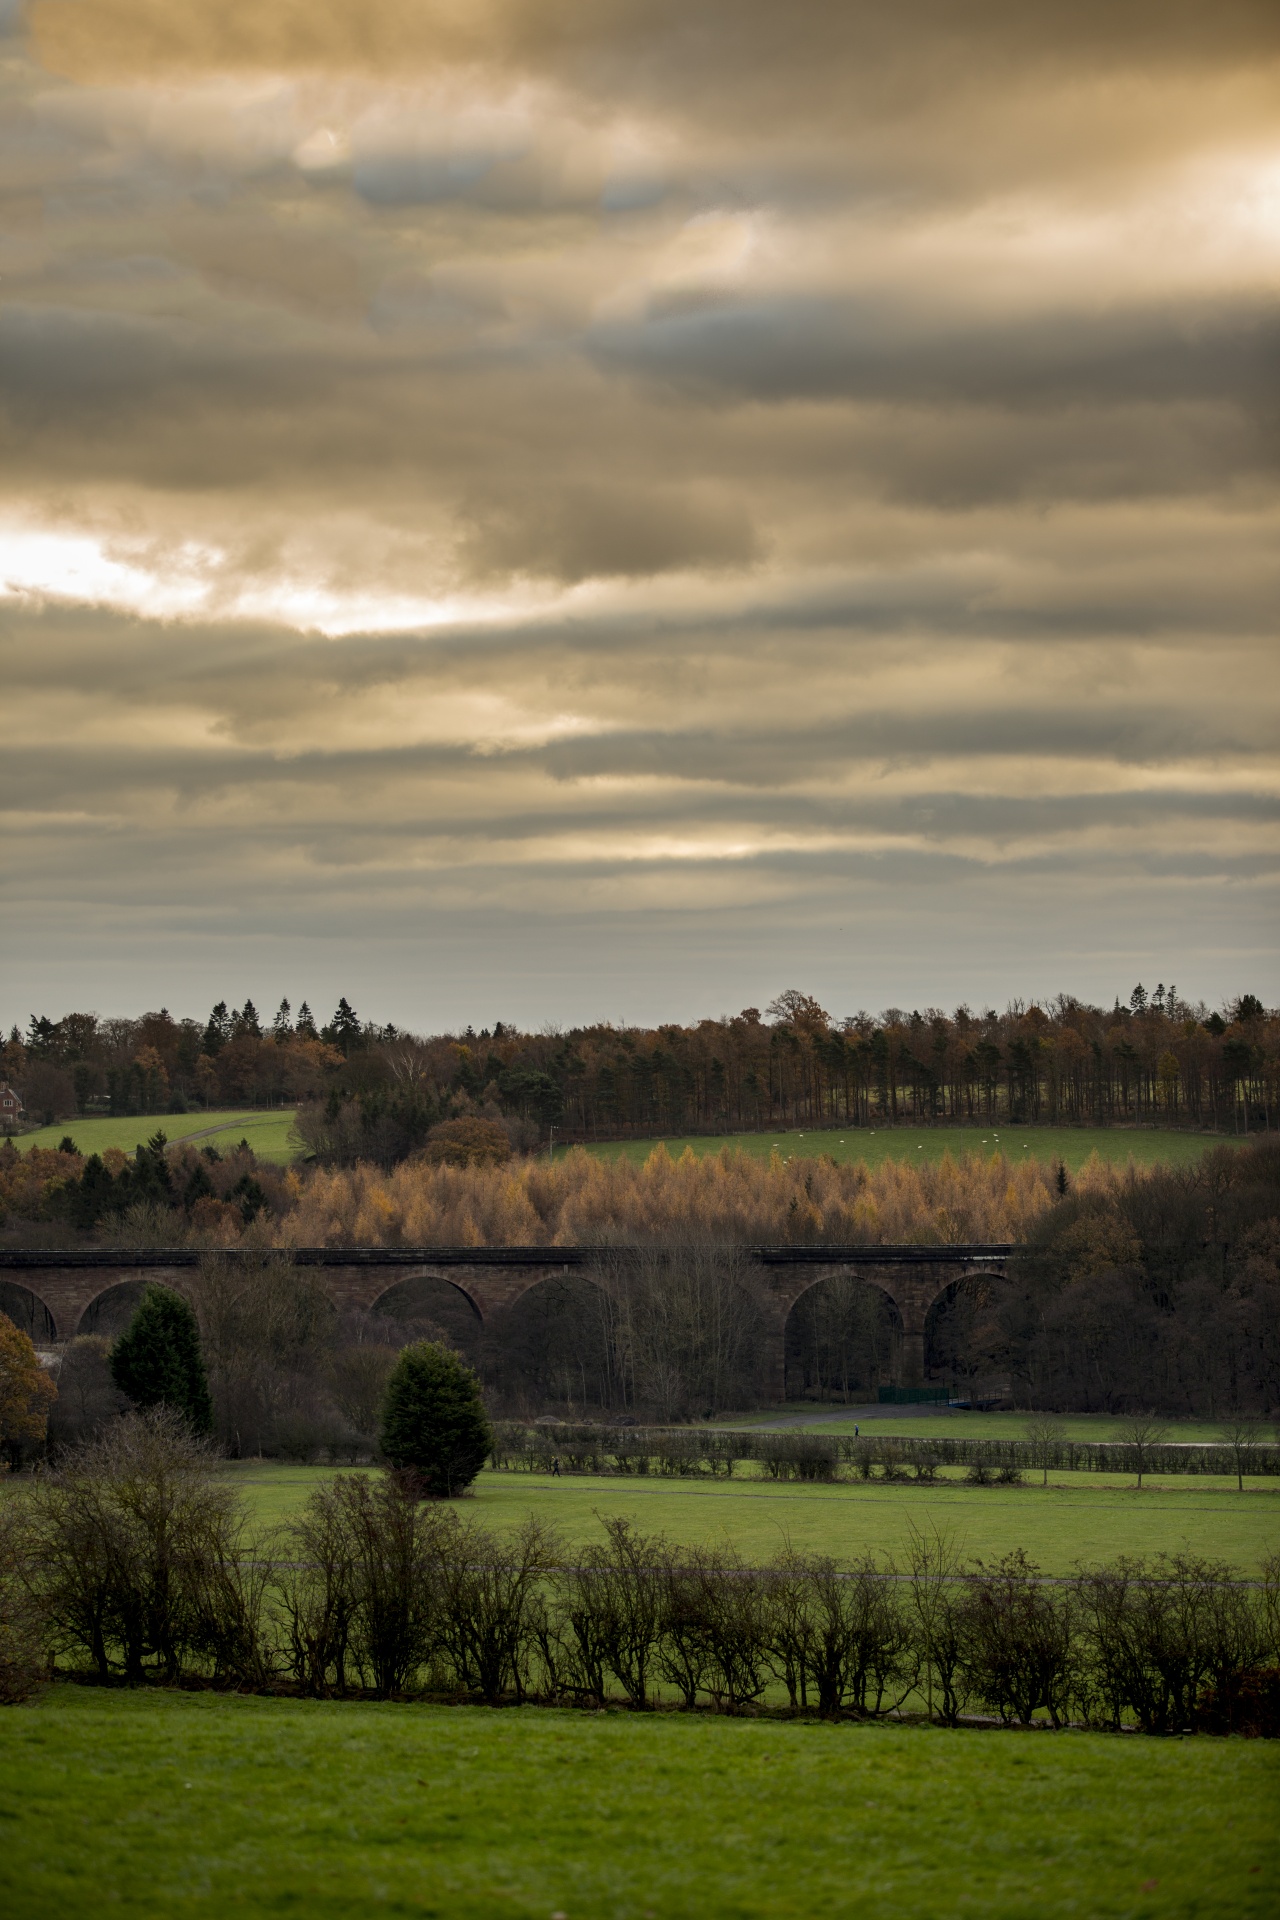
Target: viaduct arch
<point x="66" y="1282"/>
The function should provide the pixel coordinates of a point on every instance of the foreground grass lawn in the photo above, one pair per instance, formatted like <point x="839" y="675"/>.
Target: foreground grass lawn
<point x="1073" y="1519"/>
<point x="181" y="1804"/>
<point x="1145" y="1145"/>
<point x="267" y="1133"/>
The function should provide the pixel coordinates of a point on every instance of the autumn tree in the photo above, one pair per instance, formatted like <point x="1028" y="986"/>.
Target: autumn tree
<point x="26" y="1392"/>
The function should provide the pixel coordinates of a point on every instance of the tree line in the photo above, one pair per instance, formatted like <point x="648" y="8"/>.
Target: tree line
<point x="134" y="1561"/>
<point x="374" y="1092"/>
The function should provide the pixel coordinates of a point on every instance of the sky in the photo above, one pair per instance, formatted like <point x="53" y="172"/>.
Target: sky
<point x="559" y="510"/>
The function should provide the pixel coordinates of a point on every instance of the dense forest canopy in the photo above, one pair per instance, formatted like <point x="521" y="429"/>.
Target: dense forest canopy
<point x="374" y="1092"/>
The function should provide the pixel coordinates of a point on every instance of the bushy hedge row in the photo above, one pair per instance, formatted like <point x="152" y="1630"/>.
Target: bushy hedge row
<point x="135" y="1562"/>
<point x="817" y="1456"/>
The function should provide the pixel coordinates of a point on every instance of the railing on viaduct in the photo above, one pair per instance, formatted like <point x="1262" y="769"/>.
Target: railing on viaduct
<point x="66" y="1282"/>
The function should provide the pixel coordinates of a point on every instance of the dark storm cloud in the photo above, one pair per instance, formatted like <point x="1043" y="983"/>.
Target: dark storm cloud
<point x="818" y="349"/>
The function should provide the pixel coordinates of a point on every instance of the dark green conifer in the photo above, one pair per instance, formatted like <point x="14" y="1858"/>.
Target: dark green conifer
<point x="157" y="1359"/>
<point x="435" y="1431"/>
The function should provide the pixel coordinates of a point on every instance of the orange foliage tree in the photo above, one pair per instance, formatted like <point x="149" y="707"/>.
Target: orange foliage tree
<point x="26" y="1391"/>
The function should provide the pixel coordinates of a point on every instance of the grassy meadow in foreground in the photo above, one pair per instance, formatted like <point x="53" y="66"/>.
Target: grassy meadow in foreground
<point x="1147" y="1146"/>
<point x="1073" y="1519"/>
<point x="179" y="1805"/>
<point x="266" y="1132"/>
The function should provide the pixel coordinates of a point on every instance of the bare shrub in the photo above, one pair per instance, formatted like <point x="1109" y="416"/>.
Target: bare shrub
<point x="684" y="1650"/>
<point x="373" y="1594"/>
<point x="489" y="1593"/>
<point x="1019" y="1640"/>
<point x="936" y="1597"/>
<point x="841" y="1631"/>
<point x="22" y="1661"/>
<point x="799" y="1456"/>
<point x="733" y="1599"/>
<point x="613" y="1602"/>
<point x="1159" y="1632"/>
<point x="87" y="1396"/>
<point x="315" y="1593"/>
<point x="1141" y="1435"/>
<point x="123" y="1540"/>
<point x="267" y="1329"/>
<point x="357" y="1379"/>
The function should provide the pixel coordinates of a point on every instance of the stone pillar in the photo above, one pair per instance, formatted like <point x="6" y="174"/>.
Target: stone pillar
<point x="776" y="1367"/>
<point x="912" y="1357"/>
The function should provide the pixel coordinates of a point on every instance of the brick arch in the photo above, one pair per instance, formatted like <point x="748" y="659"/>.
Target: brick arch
<point x="37" y="1306"/>
<point x="139" y="1278"/>
<point x="795" y="1293"/>
<point x="790" y="1299"/>
<point x="400" y="1279"/>
<point x="957" y="1280"/>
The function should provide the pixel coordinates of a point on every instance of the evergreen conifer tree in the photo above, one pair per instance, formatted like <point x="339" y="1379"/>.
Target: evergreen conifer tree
<point x="218" y="1030"/>
<point x="435" y="1431"/>
<point x="157" y="1359"/>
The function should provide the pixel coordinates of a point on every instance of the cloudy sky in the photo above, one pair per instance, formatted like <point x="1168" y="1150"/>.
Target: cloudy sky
<point x="555" y="509"/>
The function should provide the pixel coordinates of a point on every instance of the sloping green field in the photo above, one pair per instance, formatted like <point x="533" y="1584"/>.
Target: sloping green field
<point x="1146" y="1146"/>
<point x="267" y="1133"/>
<point x="180" y="1805"/>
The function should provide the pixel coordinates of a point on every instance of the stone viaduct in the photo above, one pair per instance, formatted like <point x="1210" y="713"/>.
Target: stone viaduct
<point x="66" y="1282"/>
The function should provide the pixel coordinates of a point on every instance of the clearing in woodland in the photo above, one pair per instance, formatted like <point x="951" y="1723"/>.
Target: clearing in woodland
<point x="182" y="1805"/>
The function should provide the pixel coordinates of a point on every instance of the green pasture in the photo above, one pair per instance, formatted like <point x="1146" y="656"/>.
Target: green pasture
<point x="1074" y="1519"/>
<point x="183" y="1805"/>
<point x="267" y="1133"/>
<point x="1146" y="1146"/>
<point x="929" y="1423"/>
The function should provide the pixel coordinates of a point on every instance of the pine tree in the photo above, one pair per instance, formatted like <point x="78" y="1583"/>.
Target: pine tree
<point x="281" y="1026"/>
<point x="157" y="1360"/>
<point x="435" y="1431"/>
<point x="218" y="1030"/>
<point x="344" y="1029"/>
<point x="306" y="1027"/>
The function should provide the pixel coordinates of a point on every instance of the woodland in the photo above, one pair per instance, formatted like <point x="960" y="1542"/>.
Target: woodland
<point x="372" y="1092"/>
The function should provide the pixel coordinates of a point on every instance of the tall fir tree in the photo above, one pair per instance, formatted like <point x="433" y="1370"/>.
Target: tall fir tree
<point x="435" y="1431"/>
<point x="157" y="1360"/>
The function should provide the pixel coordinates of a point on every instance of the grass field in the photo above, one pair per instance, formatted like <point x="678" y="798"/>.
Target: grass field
<point x="925" y="1423"/>
<point x="1146" y="1146"/>
<point x="1075" y="1518"/>
<point x="267" y="1133"/>
<point x="178" y="1805"/>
